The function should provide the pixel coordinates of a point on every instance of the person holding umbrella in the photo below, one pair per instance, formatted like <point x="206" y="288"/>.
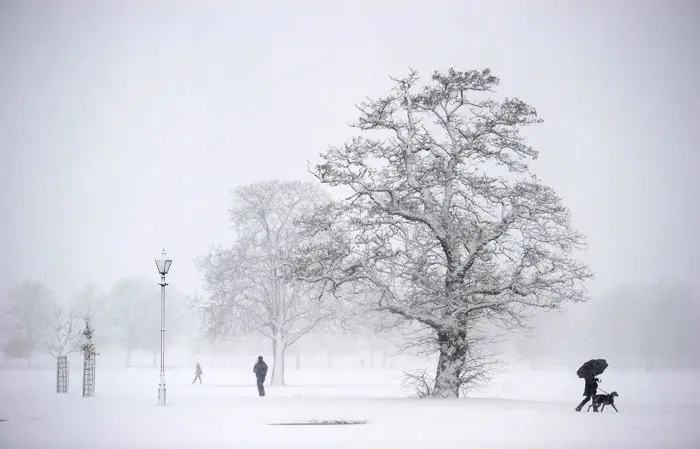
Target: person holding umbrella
<point x="589" y="372"/>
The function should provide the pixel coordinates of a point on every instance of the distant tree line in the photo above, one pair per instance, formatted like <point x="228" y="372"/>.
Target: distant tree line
<point x="126" y="316"/>
<point x="650" y="327"/>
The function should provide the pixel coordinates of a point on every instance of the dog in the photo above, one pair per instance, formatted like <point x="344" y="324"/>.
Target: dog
<point x="601" y="400"/>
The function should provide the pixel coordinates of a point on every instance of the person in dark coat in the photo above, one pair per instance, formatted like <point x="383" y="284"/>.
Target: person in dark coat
<point x="589" y="391"/>
<point x="260" y="370"/>
<point x="198" y="374"/>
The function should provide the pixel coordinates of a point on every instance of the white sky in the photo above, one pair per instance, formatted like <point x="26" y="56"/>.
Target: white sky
<point x="124" y="124"/>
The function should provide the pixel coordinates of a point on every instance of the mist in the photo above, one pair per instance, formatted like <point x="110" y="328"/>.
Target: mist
<point x="127" y="127"/>
<point x="124" y="127"/>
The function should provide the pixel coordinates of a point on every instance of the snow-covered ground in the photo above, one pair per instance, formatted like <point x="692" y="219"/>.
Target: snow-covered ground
<point x="522" y="409"/>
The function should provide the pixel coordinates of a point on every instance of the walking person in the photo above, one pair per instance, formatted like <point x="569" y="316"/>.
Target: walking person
<point x="589" y="391"/>
<point x="589" y="372"/>
<point x="260" y="370"/>
<point x="198" y="374"/>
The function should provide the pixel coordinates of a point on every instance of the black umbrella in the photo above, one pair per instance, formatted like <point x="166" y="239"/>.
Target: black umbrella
<point x="592" y="368"/>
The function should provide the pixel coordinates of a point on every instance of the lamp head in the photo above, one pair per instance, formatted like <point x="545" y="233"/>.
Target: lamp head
<point x="163" y="264"/>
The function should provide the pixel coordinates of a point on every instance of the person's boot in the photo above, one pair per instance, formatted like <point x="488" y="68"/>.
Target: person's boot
<point x="578" y="409"/>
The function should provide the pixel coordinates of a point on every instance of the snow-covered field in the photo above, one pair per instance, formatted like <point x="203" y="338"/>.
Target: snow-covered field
<point x="522" y="409"/>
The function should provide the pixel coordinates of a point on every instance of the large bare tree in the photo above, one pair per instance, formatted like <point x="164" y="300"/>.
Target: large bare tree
<point x="445" y="219"/>
<point x="247" y="284"/>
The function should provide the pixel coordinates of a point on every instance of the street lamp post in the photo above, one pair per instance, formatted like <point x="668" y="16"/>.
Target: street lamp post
<point x="163" y="265"/>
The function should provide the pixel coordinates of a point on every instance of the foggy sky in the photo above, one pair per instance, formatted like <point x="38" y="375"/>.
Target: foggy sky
<point x="123" y="125"/>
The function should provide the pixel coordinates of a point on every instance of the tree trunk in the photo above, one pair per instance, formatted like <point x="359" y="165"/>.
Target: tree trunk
<point x="278" y="349"/>
<point x="453" y="349"/>
<point x="32" y="345"/>
<point x="127" y="362"/>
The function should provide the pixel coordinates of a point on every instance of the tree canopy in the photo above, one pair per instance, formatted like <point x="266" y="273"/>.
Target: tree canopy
<point x="446" y="220"/>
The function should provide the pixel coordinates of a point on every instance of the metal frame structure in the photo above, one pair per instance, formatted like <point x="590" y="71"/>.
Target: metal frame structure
<point x="89" y="374"/>
<point x="62" y="372"/>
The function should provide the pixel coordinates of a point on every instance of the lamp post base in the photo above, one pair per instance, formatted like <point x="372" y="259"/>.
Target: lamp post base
<point x="161" y="390"/>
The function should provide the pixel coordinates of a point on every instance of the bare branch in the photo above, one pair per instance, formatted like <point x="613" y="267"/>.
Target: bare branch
<point x="248" y="288"/>
<point x="65" y="333"/>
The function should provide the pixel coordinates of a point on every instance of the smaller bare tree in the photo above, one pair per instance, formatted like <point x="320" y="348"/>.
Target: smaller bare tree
<point x="64" y="341"/>
<point x="65" y="333"/>
<point x="248" y="286"/>
<point x="89" y="352"/>
<point x="87" y="346"/>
